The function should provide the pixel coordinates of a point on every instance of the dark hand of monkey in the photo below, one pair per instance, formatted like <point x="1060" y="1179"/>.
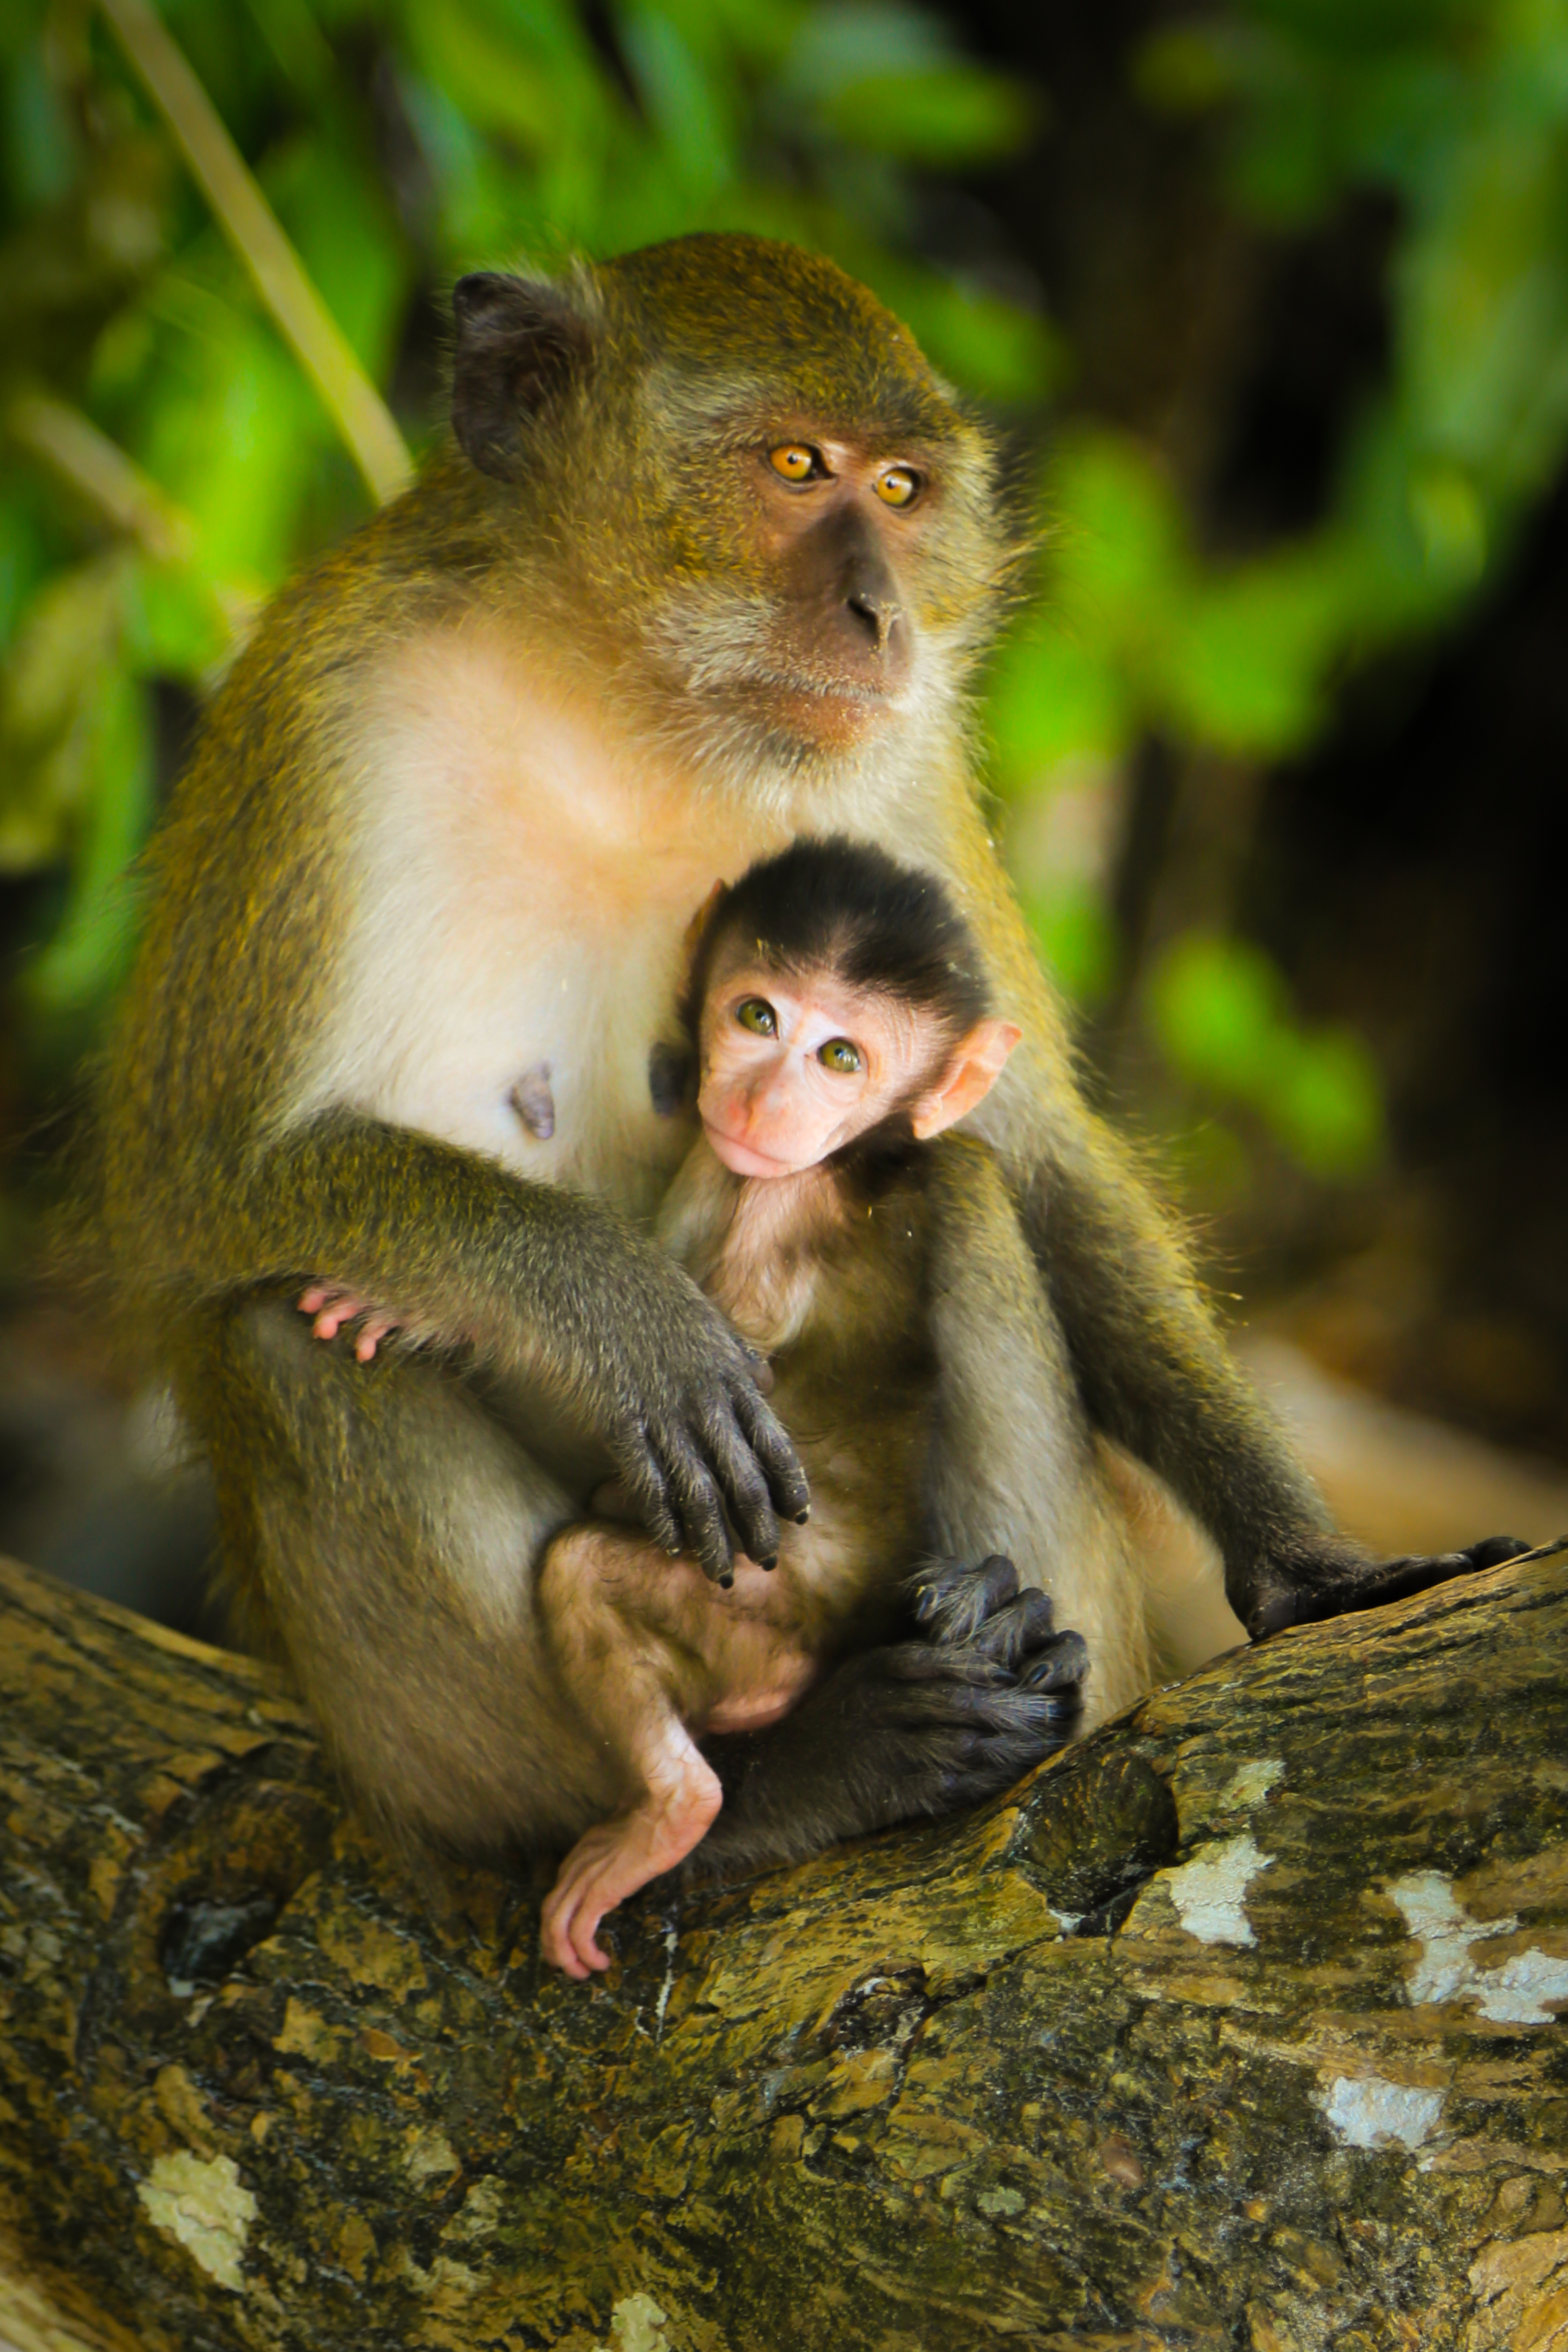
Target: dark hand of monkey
<point x="695" y="1447"/>
<point x="1334" y="1579"/>
<point x="920" y="1727"/>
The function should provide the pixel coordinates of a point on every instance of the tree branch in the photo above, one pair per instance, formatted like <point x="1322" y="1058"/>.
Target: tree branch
<point x="1232" y="2027"/>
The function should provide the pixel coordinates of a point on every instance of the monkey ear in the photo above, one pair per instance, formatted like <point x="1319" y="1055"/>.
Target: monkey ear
<point x="519" y="343"/>
<point x="973" y="1067"/>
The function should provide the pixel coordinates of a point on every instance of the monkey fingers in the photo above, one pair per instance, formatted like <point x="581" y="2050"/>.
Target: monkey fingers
<point x="642" y="1479"/>
<point x="953" y="1601"/>
<point x="744" y="1484"/>
<point x="774" y="1447"/>
<point x="1357" y="1583"/>
<point x="691" y="1489"/>
<point x="332" y="1310"/>
<point x="958" y="1740"/>
<point x="699" y="1509"/>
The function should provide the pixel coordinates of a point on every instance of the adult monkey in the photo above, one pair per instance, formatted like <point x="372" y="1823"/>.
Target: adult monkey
<point x="707" y="566"/>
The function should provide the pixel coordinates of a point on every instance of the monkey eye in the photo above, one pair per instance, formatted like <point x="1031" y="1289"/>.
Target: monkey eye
<point x="796" y="461"/>
<point x="755" y="1014"/>
<point x="898" y="485"/>
<point x="840" y="1055"/>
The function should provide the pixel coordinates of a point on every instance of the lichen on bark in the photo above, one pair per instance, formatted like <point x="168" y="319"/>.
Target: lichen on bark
<point x="1234" y="2026"/>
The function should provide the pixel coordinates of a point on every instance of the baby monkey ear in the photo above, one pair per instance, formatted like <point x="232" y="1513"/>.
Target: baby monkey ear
<point x="973" y="1068"/>
<point x="518" y="342"/>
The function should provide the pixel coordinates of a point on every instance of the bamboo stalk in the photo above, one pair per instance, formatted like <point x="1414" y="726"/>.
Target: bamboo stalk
<point x="253" y="230"/>
<point x="102" y="474"/>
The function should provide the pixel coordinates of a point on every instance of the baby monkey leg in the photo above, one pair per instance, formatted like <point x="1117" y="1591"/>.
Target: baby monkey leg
<point x="626" y="1637"/>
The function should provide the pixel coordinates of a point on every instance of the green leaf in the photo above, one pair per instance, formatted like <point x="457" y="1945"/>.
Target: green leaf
<point x="1246" y="669"/>
<point x="1215" y="1006"/>
<point x="682" y="98"/>
<point x="1052" y="698"/>
<point x="90" y="954"/>
<point x="491" y="80"/>
<point x="22" y="558"/>
<point x="175" y="625"/>
<point x="1075" y="937"/>
<point x="348" y="242"/>
<point x="69" y="631"/>
<point x="233" y="431"/>
<point x="960" y="114"/>
<point x="35" y="138"/>
<point x="1326" y="1104"/>
<point x="1220" y="1012"/>
<point x="1116" y="537"/>
<point x="989" y="345"/>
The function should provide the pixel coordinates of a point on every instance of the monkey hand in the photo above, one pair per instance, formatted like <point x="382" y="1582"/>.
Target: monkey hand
<point x="332" y="1309"/>
<point x="989" y="1689"/>
<point x="697" y="1449"/>
<point x="925" y="1726"/>
<point x="1331" y="1578"/>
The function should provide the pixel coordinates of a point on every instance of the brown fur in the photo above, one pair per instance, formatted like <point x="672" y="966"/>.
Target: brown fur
<point x="447" y="822"/>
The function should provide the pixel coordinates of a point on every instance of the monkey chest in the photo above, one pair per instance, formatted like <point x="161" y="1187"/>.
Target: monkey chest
<point x="855" y="1385"/>
<point x="511" y="976"/>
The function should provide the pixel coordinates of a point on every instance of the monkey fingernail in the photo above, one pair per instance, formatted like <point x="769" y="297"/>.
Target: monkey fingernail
<point x="801" y="1516"/>
<point x="727" y="1583"/>
<point x="766" y="1563"/>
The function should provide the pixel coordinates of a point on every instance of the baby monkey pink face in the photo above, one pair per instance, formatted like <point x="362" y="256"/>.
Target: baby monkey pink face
<point x="797" y="1063"/>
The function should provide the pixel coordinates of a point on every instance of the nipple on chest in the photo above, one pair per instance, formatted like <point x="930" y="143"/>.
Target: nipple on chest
<point x="535" y="1103"/>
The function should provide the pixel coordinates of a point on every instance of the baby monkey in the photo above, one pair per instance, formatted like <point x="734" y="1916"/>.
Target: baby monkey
<point x="841" y="1027"/>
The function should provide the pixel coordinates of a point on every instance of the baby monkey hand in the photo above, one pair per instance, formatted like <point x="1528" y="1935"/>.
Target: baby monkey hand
<point x="331" y="1309"/>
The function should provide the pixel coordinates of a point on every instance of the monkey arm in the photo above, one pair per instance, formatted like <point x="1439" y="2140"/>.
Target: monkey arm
<point x="543" y="1283"/>
<point x="1008" y="1461"/>
<point x="1150" y="1360"/>
<point x="1157" y="1376"/>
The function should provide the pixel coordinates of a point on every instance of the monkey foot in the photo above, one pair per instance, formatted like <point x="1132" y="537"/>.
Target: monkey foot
<point x="614" y="1859"/>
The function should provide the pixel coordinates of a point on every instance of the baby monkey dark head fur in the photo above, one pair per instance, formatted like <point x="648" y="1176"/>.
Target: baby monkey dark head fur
<point x="834" y="910"/>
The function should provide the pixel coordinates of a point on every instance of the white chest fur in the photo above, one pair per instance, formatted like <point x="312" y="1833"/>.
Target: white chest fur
<point x="523" y="887"/>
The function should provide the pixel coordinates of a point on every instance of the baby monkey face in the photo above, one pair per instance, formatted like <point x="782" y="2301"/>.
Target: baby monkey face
<point x="796" y="1064"/>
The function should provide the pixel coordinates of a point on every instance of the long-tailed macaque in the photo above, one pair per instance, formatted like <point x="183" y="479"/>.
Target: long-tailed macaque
<point x="840" y="1022"/>
<point x="705" y="566"/>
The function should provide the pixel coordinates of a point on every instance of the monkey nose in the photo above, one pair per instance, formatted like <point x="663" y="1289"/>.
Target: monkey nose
<point x="875" y="606"/>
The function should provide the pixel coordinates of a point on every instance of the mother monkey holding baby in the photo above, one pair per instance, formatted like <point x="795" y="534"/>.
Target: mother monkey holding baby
<point x="705" y="566"/>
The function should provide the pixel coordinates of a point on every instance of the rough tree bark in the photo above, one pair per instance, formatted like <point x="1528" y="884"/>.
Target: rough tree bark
<point x="1234" y="2026"/>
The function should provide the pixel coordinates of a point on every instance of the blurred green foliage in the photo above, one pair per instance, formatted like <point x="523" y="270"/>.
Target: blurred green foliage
<point x="165" y="460"/>
<point x="1458" y="111"/>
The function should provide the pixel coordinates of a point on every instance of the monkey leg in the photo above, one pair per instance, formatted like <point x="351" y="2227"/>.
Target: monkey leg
<point x="384" y="1528"/>
<point x="640" y="1642"/>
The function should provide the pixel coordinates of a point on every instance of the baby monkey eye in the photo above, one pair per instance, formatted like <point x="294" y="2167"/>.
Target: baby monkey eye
<point x="898" y="485"/>
<point x="757" y="1015"/>
<point x="838" y="1054"/>
<point x="798" y="461"/>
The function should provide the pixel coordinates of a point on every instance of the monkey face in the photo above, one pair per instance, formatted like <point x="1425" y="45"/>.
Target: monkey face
<point x="773" y="524"/>
<point x="799" y="1065"/>
<point x="827" y="579"/>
